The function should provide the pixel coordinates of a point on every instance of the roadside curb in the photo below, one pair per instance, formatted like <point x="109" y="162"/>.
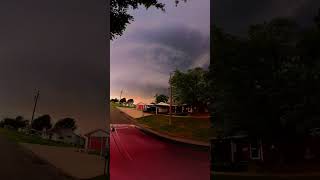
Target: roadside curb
<point x="180" y="140"/>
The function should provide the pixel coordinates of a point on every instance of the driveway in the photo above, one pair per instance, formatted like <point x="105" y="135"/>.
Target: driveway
<point x="76" y="164"/>
<point x="17" y="163"/>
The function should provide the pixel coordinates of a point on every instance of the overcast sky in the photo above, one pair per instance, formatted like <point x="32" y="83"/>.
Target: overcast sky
<point x="58" y="47"/>
<point x="234" y="16"/>
<point x="157" y="43"/>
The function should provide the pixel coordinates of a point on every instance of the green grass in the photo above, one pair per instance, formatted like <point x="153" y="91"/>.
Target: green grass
<point x="183" y="127"/>
<point x="20" y="137"/>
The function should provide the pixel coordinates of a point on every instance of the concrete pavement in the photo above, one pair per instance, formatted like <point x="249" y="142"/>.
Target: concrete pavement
<point x="79" y="165"/>
<point x="16" y="163"/>
<point x="133" y="113"/>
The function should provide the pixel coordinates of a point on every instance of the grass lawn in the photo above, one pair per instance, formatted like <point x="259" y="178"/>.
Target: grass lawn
<point x="184" y="127"/>
<point x="20" y="137"/>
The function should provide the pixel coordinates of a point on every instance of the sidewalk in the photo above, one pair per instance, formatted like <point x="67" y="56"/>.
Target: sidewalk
<point x="76" y="164"/>
<point x="133" y="112"/>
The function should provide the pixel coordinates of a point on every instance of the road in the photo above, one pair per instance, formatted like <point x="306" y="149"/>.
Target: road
<point x="17" y="163"/>
<point x="116" y="117"/>
<point x="139" y="156"/>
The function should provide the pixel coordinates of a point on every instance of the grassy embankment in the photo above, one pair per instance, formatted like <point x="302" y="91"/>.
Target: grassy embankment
<point x="20" y="137"/>
<point x="183" y="127"/>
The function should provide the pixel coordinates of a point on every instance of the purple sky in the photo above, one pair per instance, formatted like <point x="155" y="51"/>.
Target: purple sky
<point x="157" y="43"/>
<point x="58" y="47"/>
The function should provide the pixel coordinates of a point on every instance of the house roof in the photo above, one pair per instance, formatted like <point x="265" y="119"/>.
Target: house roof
<point x="94" y="131"/>
<point x="162" y="104"/>
<point x="141" y="103"/>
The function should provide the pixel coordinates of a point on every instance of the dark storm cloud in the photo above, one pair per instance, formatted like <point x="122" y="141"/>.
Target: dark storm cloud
<point x="153" y="53"/>
<point x="183" y="46"/>
<point x="235" y="16"/>
<point x="59" y="48"/>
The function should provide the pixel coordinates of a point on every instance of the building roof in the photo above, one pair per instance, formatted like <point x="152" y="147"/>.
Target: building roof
<point x="140" y="103"/>
<point x="162" y="104"/>
<point x="94" y="131"/>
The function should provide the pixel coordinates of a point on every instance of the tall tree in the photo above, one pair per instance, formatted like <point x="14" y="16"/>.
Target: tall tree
<point x="66" y="123"/>
<point x="191" y="87"/>
<point x="161" y="98"/>
<point x="42" y="122"/>
<point x="123" y="100"/>
<point x="130" y="101"/>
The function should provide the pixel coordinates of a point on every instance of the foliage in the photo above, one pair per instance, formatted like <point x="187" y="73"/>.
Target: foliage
<point x="161" y="98"/>
<point x="268" y="83"/>
<point x="190" y="87"/>
<point x="42" y="122"/>
<point x="18" y="122"/>
<point x="120" y="17"/>
<point x="66" y="123"/>
<point x="114" y="100"/>
<point x="123" y="100"/>
<point x="130" y="101"/>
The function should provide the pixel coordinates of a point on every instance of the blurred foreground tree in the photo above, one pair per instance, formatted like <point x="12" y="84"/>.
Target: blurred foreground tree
<point x="120" y="17"/>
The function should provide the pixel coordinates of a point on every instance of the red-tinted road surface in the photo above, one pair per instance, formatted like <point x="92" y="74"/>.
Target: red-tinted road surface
<point x="139" y="156"/>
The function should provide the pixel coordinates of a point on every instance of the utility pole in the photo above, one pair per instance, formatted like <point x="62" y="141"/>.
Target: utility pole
<point x="170" y="110"/>
<point x="121" y="94"/>
<point x="35" y="105"/>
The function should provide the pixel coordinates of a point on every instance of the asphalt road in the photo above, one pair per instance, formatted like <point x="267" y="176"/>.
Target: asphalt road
<point x="139" y="156"/>
<point x="17" y="163"/>
<point x="116" y="117"/>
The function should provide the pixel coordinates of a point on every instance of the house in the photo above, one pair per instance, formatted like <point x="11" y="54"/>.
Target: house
<point x="141" y="106"/>
<point x="65" y="135"/>
<point x="96" y="141"/>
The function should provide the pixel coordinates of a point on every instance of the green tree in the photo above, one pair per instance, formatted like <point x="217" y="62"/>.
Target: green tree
<point x="130" y="101"/>
<point x="114" y="100"/>
<point x="191" y="87"/>
<point x="66" y="123"/>
<point x="161" y="98"/>
<point x="123" y="100"/>
<point x="42" y="122"/>
<point x="18" y="122"/>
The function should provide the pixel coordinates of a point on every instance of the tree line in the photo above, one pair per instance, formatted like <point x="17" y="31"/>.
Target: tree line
<point x="122" y="100"/>
<point x="41" y="122"/>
